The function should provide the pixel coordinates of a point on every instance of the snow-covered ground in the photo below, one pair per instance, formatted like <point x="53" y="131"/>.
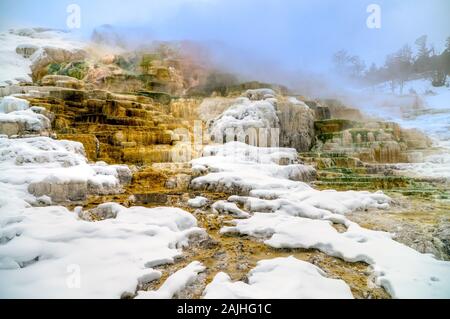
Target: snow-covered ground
<point x="16" y="68"/>
<point x="245" y="117"/>
<point x="279" y="278"/>
<point x="31" y="160"/>
<point x="255" y="166"/>
<point x="48" y="251"/>
<point x="174" y="283"/>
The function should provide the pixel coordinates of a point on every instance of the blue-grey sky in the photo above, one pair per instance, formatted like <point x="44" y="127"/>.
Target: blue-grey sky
<point x="294" y="34"/>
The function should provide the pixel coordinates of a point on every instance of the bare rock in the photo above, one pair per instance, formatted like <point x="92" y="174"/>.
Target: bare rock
<point x="26" y="50"/>
<point x="59" y="191"/>
<point x="47" y="55"/>
<point x="297" y="125"/>
<point x="63" y="81"/>
<point x="179" y="181"/>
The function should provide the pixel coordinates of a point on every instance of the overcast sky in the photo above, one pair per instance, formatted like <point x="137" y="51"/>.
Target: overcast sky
<point x="293" y="34"/>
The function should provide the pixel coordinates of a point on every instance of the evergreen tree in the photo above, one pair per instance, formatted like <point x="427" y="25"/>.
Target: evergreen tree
<point x="445" y="58"/>
<point x="423" y="62"/>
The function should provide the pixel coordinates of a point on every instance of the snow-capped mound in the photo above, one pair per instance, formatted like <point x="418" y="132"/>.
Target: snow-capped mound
<point x="297" y="102"/>
<point x="244" y="118"/>
<point x="239" y="168"/>
<point x="23" y="122"/>
<point x="260" y="94"/>
<point x="197" y="202"/>
<point x="55" y="168"/>
<point x="11" y="104"/>
<point x="16" y="118"/>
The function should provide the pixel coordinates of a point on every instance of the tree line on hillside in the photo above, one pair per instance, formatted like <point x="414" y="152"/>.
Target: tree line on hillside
<point x="399" y="67"/>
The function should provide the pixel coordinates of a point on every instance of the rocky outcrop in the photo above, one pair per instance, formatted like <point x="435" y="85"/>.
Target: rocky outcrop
<point x="18" y="119"/>
<point x="62" y="191"/>
<point x="47" y="55"/>
<point x="251" y="119"/>
<point x="116" y="128"/>
<point x="20" y="123"/>
<point x="415" y="139"/>
<point x="321" y="112"/>
<point x="62" y="81"/>
<point x="296" y="124"/>
<point x="339" y="110"/>
<point x="381" y="142"/>
<point x="212" y="107"/>
<point x="186" y="108"/>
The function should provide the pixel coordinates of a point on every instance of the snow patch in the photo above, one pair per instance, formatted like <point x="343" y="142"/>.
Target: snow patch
<point x="197" y="202"/>
<point x="238" y="168"/>
<point x="279" y="278"/>
<point x="39" y="161"/>
<point x="23" y="122"/>
<point x="224" y="207"/>
<point x="48" y="252"/>
<point x="175" y="283"/>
